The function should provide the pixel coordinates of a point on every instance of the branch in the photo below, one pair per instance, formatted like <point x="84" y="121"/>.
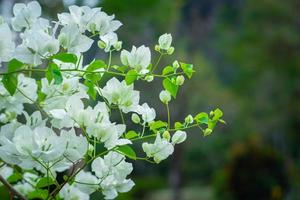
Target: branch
<point x="12" y="189"/>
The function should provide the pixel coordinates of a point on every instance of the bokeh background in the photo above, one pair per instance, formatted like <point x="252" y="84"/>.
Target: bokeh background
<point x="247" y="57"/>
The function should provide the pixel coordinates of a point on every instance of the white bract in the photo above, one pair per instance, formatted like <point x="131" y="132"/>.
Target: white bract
<point x="7" y="45"/>
<point x="64" y="120"/>
<point x="121" y="94"/>
<point x="138" y="59"/>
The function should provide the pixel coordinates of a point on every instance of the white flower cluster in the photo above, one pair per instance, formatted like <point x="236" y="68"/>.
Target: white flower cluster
<point x="65" y="134"/>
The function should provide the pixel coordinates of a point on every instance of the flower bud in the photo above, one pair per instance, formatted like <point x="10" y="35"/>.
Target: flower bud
<point x="170" y="51"/>
<point x="176" y="64"/>
<point x="165" y="96"/>
<point x="189" y="119"/>
<point x="157" y="48"/>
<point x="118" y="45"/>
<point x="211" y="113"/>
<point x="166" y="135"/>
<point x="149" y="78"/>
<point x="178" y="137"/>
<point x="180" y="80"/>
<point x="135" y="118"/>
<point x="101" y="44"/>
<point x="165" y="41"/>
<point x="207" y="132"/>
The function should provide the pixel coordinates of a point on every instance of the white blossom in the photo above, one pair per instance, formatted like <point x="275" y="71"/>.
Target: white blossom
<point x="112" y="170"/>
<point x="159" y="150"/>
<point x="121" y="94"/>
<point x="138" y="58"/>
<point x="148" y="114"/>
<point x="73" y="40"/>
<point x="25" y="15"/>
<point x="72" y="193"/>
<point x="110" y="39"/>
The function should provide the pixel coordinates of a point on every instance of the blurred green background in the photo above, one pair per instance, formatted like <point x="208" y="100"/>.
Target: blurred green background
<point x="247" y="57"/>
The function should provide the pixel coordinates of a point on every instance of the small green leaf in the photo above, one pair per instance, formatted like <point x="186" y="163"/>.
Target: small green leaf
<point x="131" y="134"/>
<point x="217" y="114"/>
<point x="14" y="65"/>
<point x="170" y="87"/>
<point x="66" y="57"/>
<point x="38" y="194"/>
<point x="178" y="125"/>
<point x="157" y="125"/>
<point x="131" y="76"/>
<point x="127" y="151"/>
<point x="15" y="177"/>
<point x="187" y="69"/>
<point x="168" y="70"/>
<point x="202" y="118"/>
<point x="10" y="82"/>
<point x="43" y="182"/>
<point x="53" y="72"/>
<point x="96" y="64"/>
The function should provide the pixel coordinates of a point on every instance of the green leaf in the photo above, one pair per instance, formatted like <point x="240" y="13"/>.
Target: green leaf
<point x="202" y="118"/>
<point x="131" y="76"/>
<point x="43" y="182"/>
<point x="96" y="64"/>
<point x="53" y="72"/>
<point x="66" y="57"/>
<point x="157" y="125"/>
<point x="14" y="65"/>
<point x="168" y="70"/>
<point x="38" y="194"/>
<point x="10" y="82"/>
<point x="217" y="114"/>
<point x="120" y="68"/>
<point x="178" y="125"/>
<point x="91" y="89"/>
<point x="15" y="177"/>
<point x="187" y="69"/>
<point x="127" y="151"/>
<point x="131" y="134"/>
<point x="170" y="87"/>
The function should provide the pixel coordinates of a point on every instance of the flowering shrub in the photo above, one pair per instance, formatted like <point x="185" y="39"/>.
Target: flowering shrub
<point x="64" y="136"/>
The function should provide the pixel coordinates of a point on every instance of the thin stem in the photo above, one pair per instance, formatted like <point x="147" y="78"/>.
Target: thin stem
<point x="157" y="62"/>
<point x="13" y="191"/>
<point x="168" y="111"/>
<point x="109" y="60"/>
<point x="122" y="117"/>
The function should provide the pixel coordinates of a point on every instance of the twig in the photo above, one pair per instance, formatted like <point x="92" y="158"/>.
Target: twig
<point x="12" y="189"/>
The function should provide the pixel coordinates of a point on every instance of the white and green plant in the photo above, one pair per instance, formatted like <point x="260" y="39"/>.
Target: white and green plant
<point x="65" y="136"/>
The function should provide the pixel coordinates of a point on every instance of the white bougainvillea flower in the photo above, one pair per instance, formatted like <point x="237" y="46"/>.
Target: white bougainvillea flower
<point x="103" y="23"/>
<point x="72" y="193"/>
<point x="86" y="182"/>
<point x="34" y="120"/>
<point x="109" y="40"/>
<point x="24" y="188"/>
<point x="71" y="39"/>
<point x="178" y="137"/>
<point x="112" y="170"/>
<point x="80" y="16"/>
<point x="165" y="41"/>
<point x="7" y="45"/>
<point x="25" y="15"/>
<point x="159" y="150"/>
<point x="75" y="146"/>
<point x="138" y="58"/>
<point x="121" y="94"/>
<point x="148" y="114"/>
<point x="36" y="46"/>
<point x="108" y="133"/>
